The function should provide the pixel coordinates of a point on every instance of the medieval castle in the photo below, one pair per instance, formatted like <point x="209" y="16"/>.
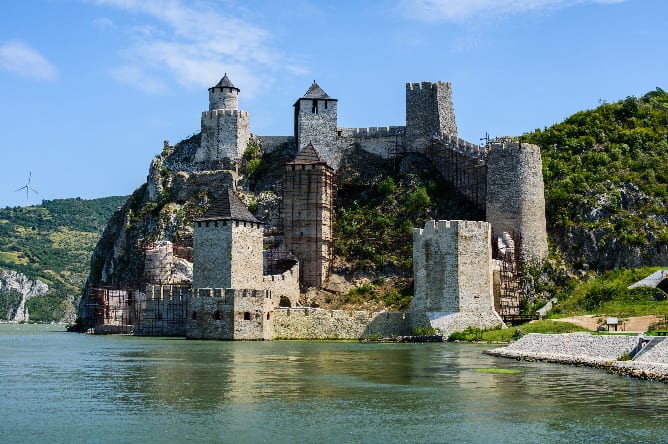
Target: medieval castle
<point x="465" y="272"/>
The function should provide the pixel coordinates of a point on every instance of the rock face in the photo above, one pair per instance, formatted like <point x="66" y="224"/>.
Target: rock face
<point x="12" y="281"/>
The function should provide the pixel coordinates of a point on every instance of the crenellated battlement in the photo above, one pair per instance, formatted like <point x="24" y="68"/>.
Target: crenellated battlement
<point x="231" y="293"/>
<point x="218" y="113"/>
<point x="426" y="86"/>
<point x="372" y="131"/>
<point x="433" y="228"/>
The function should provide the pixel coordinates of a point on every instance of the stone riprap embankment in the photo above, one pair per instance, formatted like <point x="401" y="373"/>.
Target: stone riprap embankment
<point x="593" y="351"/>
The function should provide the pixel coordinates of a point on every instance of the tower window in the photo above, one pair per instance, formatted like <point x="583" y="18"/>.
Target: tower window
<point x="314" y="107"/>
<point x="217" y="315"/>
<point x="194" y="315"/>
<point x="246" y="316"/>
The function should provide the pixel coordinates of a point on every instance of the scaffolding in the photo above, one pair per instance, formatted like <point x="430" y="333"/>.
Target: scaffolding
<point x="512" y="282"/>
<point x="308" y="214"/>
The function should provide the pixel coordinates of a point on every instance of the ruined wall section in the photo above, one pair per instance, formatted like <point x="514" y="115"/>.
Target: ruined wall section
<point x="319" y="324"/>
<point x="452" y="268"/>
<point x="227" y="254"/>
<point x="429" y="113"/>
<point x="285" y="284"/>
<point x="231" y="314"/>
<point x="516" y="196"/>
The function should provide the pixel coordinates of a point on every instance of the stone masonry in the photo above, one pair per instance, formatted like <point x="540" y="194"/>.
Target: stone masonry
<point x="308" y="212"/>
<point x="452" y="268"/>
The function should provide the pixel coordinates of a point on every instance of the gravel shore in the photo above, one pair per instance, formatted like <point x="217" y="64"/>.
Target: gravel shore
<point x="591" y="350"/>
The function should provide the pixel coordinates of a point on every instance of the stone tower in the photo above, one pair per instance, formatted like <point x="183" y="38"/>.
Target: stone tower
<point x="225" y="130"/>
<point x="429" y="112"/>
<point x="452" y="268"/>
<point x="308" y="209"/>
<point x="227" y="246"/>
<point x="316" y="123"/>
<point x="516" y="198"/>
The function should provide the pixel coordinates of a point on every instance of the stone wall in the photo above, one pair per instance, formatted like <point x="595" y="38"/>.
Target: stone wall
<point x="227" y="254"/>
<point x="285" y="284"/>
<point x="516" y="198"/>
<point x="315" y="323"/>
<point x="452" y="269"/>
<point x="225" y="136"/>
<point x="383" y="141"/>
<point x="231" y="314"/>
<point x="463" y="165"/>
<point x="270" y="143"/>
<point x="161" y="310"/>
<point x="429" y="112"/>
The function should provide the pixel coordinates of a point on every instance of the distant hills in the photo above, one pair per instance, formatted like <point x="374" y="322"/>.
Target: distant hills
<point x="52" y="243"/>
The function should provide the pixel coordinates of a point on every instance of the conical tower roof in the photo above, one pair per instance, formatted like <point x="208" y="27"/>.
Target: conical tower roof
<point x="307" y="155"/>
<point x="225" y="82"/>
<point x="315" y="92"/>
<point x="228" y="207"/>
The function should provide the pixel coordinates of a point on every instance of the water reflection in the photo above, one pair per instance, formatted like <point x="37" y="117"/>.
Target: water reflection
<point x="210" y="391"/>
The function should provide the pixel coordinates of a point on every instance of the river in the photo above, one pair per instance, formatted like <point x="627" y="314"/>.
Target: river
<point x="59" y="387"/>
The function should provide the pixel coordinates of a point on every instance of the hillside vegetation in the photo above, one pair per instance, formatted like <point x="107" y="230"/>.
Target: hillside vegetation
<point x="606" y="183"/>
<point x="53" y="242"/>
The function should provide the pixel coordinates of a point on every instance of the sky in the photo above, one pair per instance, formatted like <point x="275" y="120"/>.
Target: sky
<point x="90" y="89"/>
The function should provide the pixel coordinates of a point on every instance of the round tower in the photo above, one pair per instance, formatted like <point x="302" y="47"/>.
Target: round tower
<point x="224" y="95"/>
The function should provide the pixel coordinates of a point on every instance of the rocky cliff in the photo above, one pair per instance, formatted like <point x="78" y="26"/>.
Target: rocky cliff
<point x="15" y="290"/>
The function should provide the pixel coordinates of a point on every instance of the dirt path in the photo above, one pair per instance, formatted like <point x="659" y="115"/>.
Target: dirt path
<point x="637" y="324"/>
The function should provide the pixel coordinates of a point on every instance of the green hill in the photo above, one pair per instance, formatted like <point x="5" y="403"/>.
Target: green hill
<point x="53" y="242"/>
<point x="606" y="183"/>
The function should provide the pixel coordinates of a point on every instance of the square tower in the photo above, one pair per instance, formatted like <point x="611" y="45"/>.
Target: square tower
<point x="429" y="112"/>
<point x="316" y="123"/>
<point x="227" y="246"/>
<point x="308" y="212"/>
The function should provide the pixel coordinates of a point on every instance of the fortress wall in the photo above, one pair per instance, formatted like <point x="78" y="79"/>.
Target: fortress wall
<point x="161" y="310"/>
<point x="271" y="143"/>
<point x="315" y="323"/>
<point x="381" y="141"/>
<point x="225" y="134"/>
<point x="240" y="314"/>
<point x="463" y="165"/>
<point x="515" y="196"/>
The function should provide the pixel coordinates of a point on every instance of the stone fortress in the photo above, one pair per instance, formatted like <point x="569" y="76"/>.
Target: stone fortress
<point x="465" y="272"/>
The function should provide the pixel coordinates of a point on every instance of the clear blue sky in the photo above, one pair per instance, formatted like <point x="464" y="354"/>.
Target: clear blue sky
<point x="91" y="88"/>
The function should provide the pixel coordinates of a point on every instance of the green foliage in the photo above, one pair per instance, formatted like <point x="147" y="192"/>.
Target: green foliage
<point x="511" y="334"/>
<point x="53" y="242"/>
<point x="425" y="330"/>
<point x="608" y="293"/>
<point x="9" y="302"/>
<point x="593" y="155"/>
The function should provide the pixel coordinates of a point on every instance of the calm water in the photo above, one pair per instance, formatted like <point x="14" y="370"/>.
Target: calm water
<point x="58" y="387"/>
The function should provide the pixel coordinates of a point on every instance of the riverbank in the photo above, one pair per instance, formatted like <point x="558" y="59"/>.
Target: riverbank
<point x="594" y="351"/>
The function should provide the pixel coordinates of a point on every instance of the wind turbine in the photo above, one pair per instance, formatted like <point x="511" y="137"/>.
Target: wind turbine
<point x="28" y="188"/>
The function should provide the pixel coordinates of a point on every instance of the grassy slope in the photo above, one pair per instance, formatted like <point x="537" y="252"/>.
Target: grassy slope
<point x="53" y="242"/>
